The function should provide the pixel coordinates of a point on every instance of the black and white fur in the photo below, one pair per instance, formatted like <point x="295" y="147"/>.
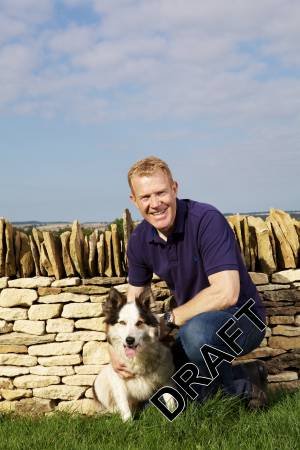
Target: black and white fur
<point x="133" y="332"/>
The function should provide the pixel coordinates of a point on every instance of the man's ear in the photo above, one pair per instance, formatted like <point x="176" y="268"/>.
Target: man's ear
<point x="175" y="186"/>
<point x="133" y="199"/>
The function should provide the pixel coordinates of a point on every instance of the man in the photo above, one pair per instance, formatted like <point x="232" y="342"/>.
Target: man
<point x="191" y="246"/>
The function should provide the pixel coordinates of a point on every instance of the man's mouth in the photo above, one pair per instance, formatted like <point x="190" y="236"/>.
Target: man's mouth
<point x="130" y="351"/>
<point x="159" y="213"/>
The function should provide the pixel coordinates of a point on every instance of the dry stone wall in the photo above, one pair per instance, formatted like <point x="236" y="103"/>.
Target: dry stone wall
<point x="53" y="341"/>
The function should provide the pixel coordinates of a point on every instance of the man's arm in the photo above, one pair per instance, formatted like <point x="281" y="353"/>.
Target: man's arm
<point x="134" y="292"/>
<point x="222" y="293"/>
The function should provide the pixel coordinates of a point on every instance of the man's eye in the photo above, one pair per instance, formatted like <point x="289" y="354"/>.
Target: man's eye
<point x="121" y="322"/>
<point x="139" y="323"/>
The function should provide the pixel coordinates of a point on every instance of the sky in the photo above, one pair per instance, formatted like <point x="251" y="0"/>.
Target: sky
<point x="88" y="87"/>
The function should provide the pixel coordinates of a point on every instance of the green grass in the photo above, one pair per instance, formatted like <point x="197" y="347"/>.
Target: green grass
<point x="220" y="423"/>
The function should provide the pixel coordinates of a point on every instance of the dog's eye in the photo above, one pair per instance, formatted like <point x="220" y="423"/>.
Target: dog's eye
<point x="139" y="323"/>
<point x="121" y="322"/>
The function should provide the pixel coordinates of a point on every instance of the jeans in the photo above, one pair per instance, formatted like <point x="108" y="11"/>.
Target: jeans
<point x="202" y="329"/>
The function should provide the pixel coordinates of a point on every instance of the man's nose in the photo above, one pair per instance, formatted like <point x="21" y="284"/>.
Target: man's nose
<point x="154" y="201"/>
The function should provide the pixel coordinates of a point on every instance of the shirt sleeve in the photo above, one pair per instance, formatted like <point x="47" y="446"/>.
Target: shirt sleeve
<point x="139" y="273"/>
<point x="217" y="244"/>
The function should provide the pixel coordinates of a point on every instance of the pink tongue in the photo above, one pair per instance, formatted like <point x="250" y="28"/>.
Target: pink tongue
<point x="130" y="352"/>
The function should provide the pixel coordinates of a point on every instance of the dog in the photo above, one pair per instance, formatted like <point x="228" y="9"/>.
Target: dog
<point x="133" y="332"/>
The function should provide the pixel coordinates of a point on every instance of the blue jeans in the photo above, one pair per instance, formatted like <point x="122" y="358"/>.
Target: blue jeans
<point x="202" y="329"/>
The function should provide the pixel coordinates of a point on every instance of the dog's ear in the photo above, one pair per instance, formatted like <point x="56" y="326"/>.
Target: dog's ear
<point x="144" y="302"/>
<point x="113" y="305"/>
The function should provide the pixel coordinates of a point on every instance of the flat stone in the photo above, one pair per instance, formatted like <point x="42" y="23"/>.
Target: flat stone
<point x="282" y="295"/>
<point x="36" y="256"/>
<point x="26" y="263"/>
<point x="263" y="343"/>
<point x="79" y="380"/>
<point x="44" y="312"/>
<point x="286" y="257"/>
<point x="6" y="383"/>
<point x="297" y="319"/>
<point x="65" y="348"/>
<point x="65" y="249"/>
<point x="35" y="381"/>
<point x="7" y="406"/>
<point x="282" y="320"/>
<point x="81" y="336"/>
<point x="264" y="246"/>
<point x="12" y="371"/>
<point x="101" y="254"/>
<point x="116" y="247"/>
<point x="92" y="253"/>
<point x="76" y="248"/>
<point x="283" y="376"/>
<point x="262" y="353"/>
<point x="54" y="254"/>
<point x="285" y="330"/>
<point x="17" y="297"/>
<point x="284" y="361"/>
<point x="4" y="282"/>
<point x="62" y="360"/>
<point x="5" y="327"/>
<point x="45" y="264"/>
<point x="29" y="326"/>
<point x="88" y="369"/>
<point x="108" y="271"/>
<point x="286" y="310"/>
<point x="84" y="310"/>
<point x="60" y="392"/>
<point x="15" y="359"/>
<point x="73" y="281"/>
<point x="13" y="349"/>
<point x="60" y="326"/>
<point x="286" y="276"/>
<point x="96" y="324"/>
<point x="10" y="260"/>
<point x="83" y="406"/>
<point x="60" y="371"/>
<point x="95" y="353"/>
<point x="272" y="287"/>
<point x="64" y="297"/>
<point x="30" y="283"/>
<point x="104" y="281"/>
<point x="48" y="291"/>
<point x="285" y="386"/>
<point x="2" y="248"/>
<point x="15" y="394"/>
<point x="123" y="288"/>
<point x="286" y="224"/>
<point x="98" y="298"/>
<point x="34" y="406"/>
<point x="128" y="227"/>
<point x="283" y="342"/>
<point x="24" y="338"/>
<point x="88" y="290"/>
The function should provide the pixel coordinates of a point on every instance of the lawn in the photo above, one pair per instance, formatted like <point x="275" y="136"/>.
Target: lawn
<point x="220" y="423"/>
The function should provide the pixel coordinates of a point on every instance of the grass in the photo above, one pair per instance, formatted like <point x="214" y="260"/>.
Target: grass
<point x="219" y="424"/>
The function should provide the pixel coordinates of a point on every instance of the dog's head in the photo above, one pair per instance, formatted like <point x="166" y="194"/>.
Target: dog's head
<point x="130" y="324"/>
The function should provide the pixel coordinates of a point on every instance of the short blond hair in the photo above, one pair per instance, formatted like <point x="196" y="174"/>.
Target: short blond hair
<point x="148" y="166"/>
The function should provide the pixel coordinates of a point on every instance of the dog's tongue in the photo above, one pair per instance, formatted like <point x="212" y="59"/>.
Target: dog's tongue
<point x="130" y="352"/>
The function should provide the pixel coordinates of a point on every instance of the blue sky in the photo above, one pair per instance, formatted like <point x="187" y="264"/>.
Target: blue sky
<point x="87" y="87"/>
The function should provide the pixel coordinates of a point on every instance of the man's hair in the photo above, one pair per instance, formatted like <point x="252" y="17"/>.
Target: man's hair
<point x="148" y="166"/>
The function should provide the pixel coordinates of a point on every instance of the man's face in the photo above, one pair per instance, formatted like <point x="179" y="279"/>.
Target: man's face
<point x="155" y="197"/>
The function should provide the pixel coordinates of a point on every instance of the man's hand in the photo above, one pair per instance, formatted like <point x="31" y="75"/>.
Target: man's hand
<point x="118" y="366"/>
<point x="164" y="331"/>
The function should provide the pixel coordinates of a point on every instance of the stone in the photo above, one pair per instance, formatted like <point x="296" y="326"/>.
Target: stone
<point x="79" y="380"/>
<point x="83" y="406"/>
<point x="12" y="371"/>
<point x="2" y="247"/>
<point x="15" y="394"/>
<point x="288" y="311"/>
<point x="73" y="281"/>
<point x="60" y="371"/>
<point x="30" y="283"/>
<point x="81" y="336"/>
<point x="283" y="376"/>
<point x="96" y="324"/>
<point x="64" y="297"/>
<point x="246" y="241"/>
<point x="60" y="326"/>
<point x="101" y="254"/>
<point x="272" y="240"/>
<point x="259" y="278"/>
<point x="35" y="381"/>
<point x="54" y="349"/>
<point x="282" y="320"/>
<point x="76" y="248"/>
<point x="6" y="383"/>
<point x="285" y="330"/>
<point x="4" y="282"/>
<point x="89" y="393"/>
<point x="87" y="290"/>
<point x="297" y="320"/>
<point x="5" y="327"/>
<point x="35" y="255"/>
<point x="286" y="259"/>
<point x="285" y="386"/>
<point x="62" y="360"/>
<point x="286" y="276"/>
<point x="116" y="249"/>
<point x="253" y="250"/>
<point x="92" y="259"/>
<point x="83" y="310"/>
<point x="98" y="298"/>
<point x="263" y="343"/>
<point x="10" y="260"/>
<point x="264" y="248"/>
<point x="13" y="349"/>
<point x="7" y="406"/>
<point x="34" y="406"/>
<point x="29" y="326"/>
<point x="95" y="353"/>
<point x="283" y="342"/>
<point x="235" y="220"/>
<point x="284" y="361"/>
<point x="128" y="228"/>
<point x="17" y="245"/>
<point x="285" y="222"/>
<point x="26" y="262"/>
<point x="67" y="260"/>
<point x="282" y="295"/>
<point x="272" y="287"/>
<point x="44" y="312"/>
<point x="13" y="313"/>
<point x="104" y="281"/>
<point x="45" y="264"/>
<point x="60" y="392"/>
<point x="48" y="291"/>
<point x="54" y="254"/>
<point x="88" y="369"/>
<point x="86" y="256"/>
<point x="17" y="297"/>
<point x="123" y="288"/>
<point x="15" y="359"/>
<point x="25" y="339"/>
<point x="108" y="253"/>
<point x="262" y="352"/>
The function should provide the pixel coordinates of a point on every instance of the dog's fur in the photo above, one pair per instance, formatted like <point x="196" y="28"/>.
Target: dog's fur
<point x="133" y="332"/>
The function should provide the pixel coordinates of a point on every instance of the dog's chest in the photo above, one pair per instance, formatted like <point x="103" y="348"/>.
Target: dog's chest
<point x="141" y="388"/>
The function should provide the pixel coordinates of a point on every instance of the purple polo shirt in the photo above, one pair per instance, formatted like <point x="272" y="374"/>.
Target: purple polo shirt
<point x="201" y="243"/>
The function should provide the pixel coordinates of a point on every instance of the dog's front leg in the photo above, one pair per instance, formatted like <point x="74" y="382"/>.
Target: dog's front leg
<point x="120" y="396"/>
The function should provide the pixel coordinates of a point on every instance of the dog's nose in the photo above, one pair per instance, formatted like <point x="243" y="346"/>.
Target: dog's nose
<point x="130" y="340"/>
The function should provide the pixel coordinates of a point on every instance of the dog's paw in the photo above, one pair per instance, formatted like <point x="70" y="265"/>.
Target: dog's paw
<point x="126" y="416"/>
